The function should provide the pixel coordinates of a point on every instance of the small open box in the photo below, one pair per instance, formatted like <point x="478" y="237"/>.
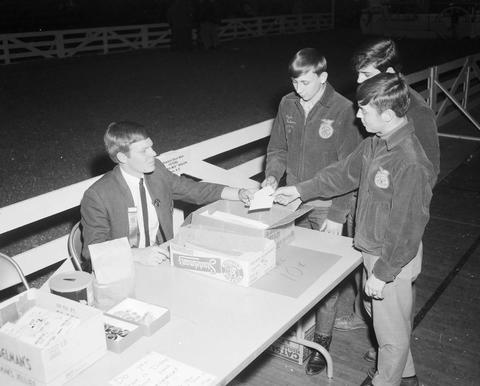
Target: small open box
<point x="28" y="364"/>
<point x="278" y="222"/>
<point x="149" y="317"/>
<point x="120" y="334"/>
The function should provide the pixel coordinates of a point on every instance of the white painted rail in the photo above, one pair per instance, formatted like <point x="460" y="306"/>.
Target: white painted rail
<point x="67" y="43"/>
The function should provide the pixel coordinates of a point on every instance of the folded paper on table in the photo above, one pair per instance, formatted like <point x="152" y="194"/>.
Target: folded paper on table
<point x="111" y="260"/>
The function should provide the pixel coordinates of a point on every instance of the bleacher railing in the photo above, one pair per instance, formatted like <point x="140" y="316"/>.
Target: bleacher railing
<point x="67" y="43"/>
<point x="460" y="78"/>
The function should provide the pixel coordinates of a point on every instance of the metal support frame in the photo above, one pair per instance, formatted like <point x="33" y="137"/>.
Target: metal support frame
<point x="15" y="265"/>
<point x="457" y="104"/>
<point x="317" y="347"/>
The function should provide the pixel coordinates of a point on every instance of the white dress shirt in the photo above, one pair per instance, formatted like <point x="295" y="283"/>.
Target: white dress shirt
<point x="133" y="184"/>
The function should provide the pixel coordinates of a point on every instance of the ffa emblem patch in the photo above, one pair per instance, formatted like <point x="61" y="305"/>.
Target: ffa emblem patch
<point x="326" y="130"/>
<point x="382" y="179"/>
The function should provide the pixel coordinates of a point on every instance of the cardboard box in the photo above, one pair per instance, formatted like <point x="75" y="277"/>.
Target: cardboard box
<point x="120" y="334"/>
<point x="149" y="317"/>
<point x="278" y="221"/>
<point x="226" y="256"/>
<point x="295" y="352"/>
<point x="22" y="363"/>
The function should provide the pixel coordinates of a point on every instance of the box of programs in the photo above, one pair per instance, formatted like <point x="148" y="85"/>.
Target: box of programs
<point x="229" y="257"/>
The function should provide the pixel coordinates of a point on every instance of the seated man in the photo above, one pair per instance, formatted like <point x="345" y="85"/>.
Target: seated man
<point x="394" y="179"/>
<point x="135" y="199"/>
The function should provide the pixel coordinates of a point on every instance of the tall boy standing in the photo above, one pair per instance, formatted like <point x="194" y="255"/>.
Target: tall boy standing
<point x="314" y="127"/>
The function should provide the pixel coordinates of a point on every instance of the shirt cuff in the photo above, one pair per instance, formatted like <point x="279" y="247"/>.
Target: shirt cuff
<point x="307" y="190"/>
<point x="384" y="271"/>
<point x="273" y="173"/>
<point x="337" y="215"/>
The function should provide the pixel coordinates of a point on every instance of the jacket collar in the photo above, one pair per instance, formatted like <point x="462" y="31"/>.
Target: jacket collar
<point x="398" y="135"/>
<point x="324" y="100"/>
<point x="125" y="190"/>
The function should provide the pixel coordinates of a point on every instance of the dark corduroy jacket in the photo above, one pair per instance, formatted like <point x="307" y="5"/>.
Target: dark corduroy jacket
<point x="423" y="119"/>
<point x="395" y="181"/>
<point x="302" y="146"/>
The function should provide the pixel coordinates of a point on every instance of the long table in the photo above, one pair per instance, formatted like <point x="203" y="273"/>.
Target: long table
<point x="219" y="327"/>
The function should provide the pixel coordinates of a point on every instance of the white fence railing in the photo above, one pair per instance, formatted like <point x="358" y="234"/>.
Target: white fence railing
<point x="190" y="160"/>
<point x="419" y="26"/>
<point x="67" y="43"/>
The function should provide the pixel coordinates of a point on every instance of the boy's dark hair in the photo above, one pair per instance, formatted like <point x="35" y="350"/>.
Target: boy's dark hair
<point x="120" y="135"/>
<point x="305" y="60"/>
<point x="381" y="54"/>
<point x="385" y="91"/>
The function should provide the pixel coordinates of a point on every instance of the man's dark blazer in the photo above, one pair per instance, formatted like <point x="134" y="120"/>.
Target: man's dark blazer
<point x="104" y="206"/>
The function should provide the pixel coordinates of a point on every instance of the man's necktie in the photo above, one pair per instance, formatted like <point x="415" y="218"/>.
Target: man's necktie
<point x="143" y="199"/>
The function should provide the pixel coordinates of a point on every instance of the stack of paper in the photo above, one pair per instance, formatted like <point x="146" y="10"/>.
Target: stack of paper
<point x="234" y="219"/>
<point x="155" y="369"/>
<point x="40" y="327"/>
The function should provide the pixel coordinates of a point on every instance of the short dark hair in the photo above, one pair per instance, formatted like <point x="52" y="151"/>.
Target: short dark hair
<point x="381" y="54"/>
<point x="120" y="135"/>
<point x="305" y="60"/>
<point x="385" y="91"/>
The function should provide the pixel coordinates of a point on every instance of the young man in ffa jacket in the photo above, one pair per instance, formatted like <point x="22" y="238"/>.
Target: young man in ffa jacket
<point x="376" y="57"/>
<point x="394" y="179"/>
<point x="315" y="126"/>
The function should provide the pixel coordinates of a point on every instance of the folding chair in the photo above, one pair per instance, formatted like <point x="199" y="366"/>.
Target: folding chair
<point x="75" y="244"/>
<point x="15" y="265"/>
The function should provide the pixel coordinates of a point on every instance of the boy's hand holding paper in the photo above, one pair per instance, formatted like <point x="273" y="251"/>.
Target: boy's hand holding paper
<point x="262" y="199"/>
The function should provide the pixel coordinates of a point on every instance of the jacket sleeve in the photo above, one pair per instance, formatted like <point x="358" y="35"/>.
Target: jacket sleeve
<point x="336" y="179"/>
<point x="277" y="148"/>
<point x="189" y="190"/>
<point x="409" y="215"/>
<point x="427" y="133"/>
<point x="95" y="221"/>
<point x="347" y="142"/>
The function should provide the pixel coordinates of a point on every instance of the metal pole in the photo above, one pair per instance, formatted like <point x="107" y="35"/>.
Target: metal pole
<point x="452" y="98"/>
<point x="466" y="84"/>
<point x="466" y="137"/>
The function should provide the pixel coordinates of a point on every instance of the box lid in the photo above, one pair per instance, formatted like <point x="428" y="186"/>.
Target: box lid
<point x="275" y="217"/>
